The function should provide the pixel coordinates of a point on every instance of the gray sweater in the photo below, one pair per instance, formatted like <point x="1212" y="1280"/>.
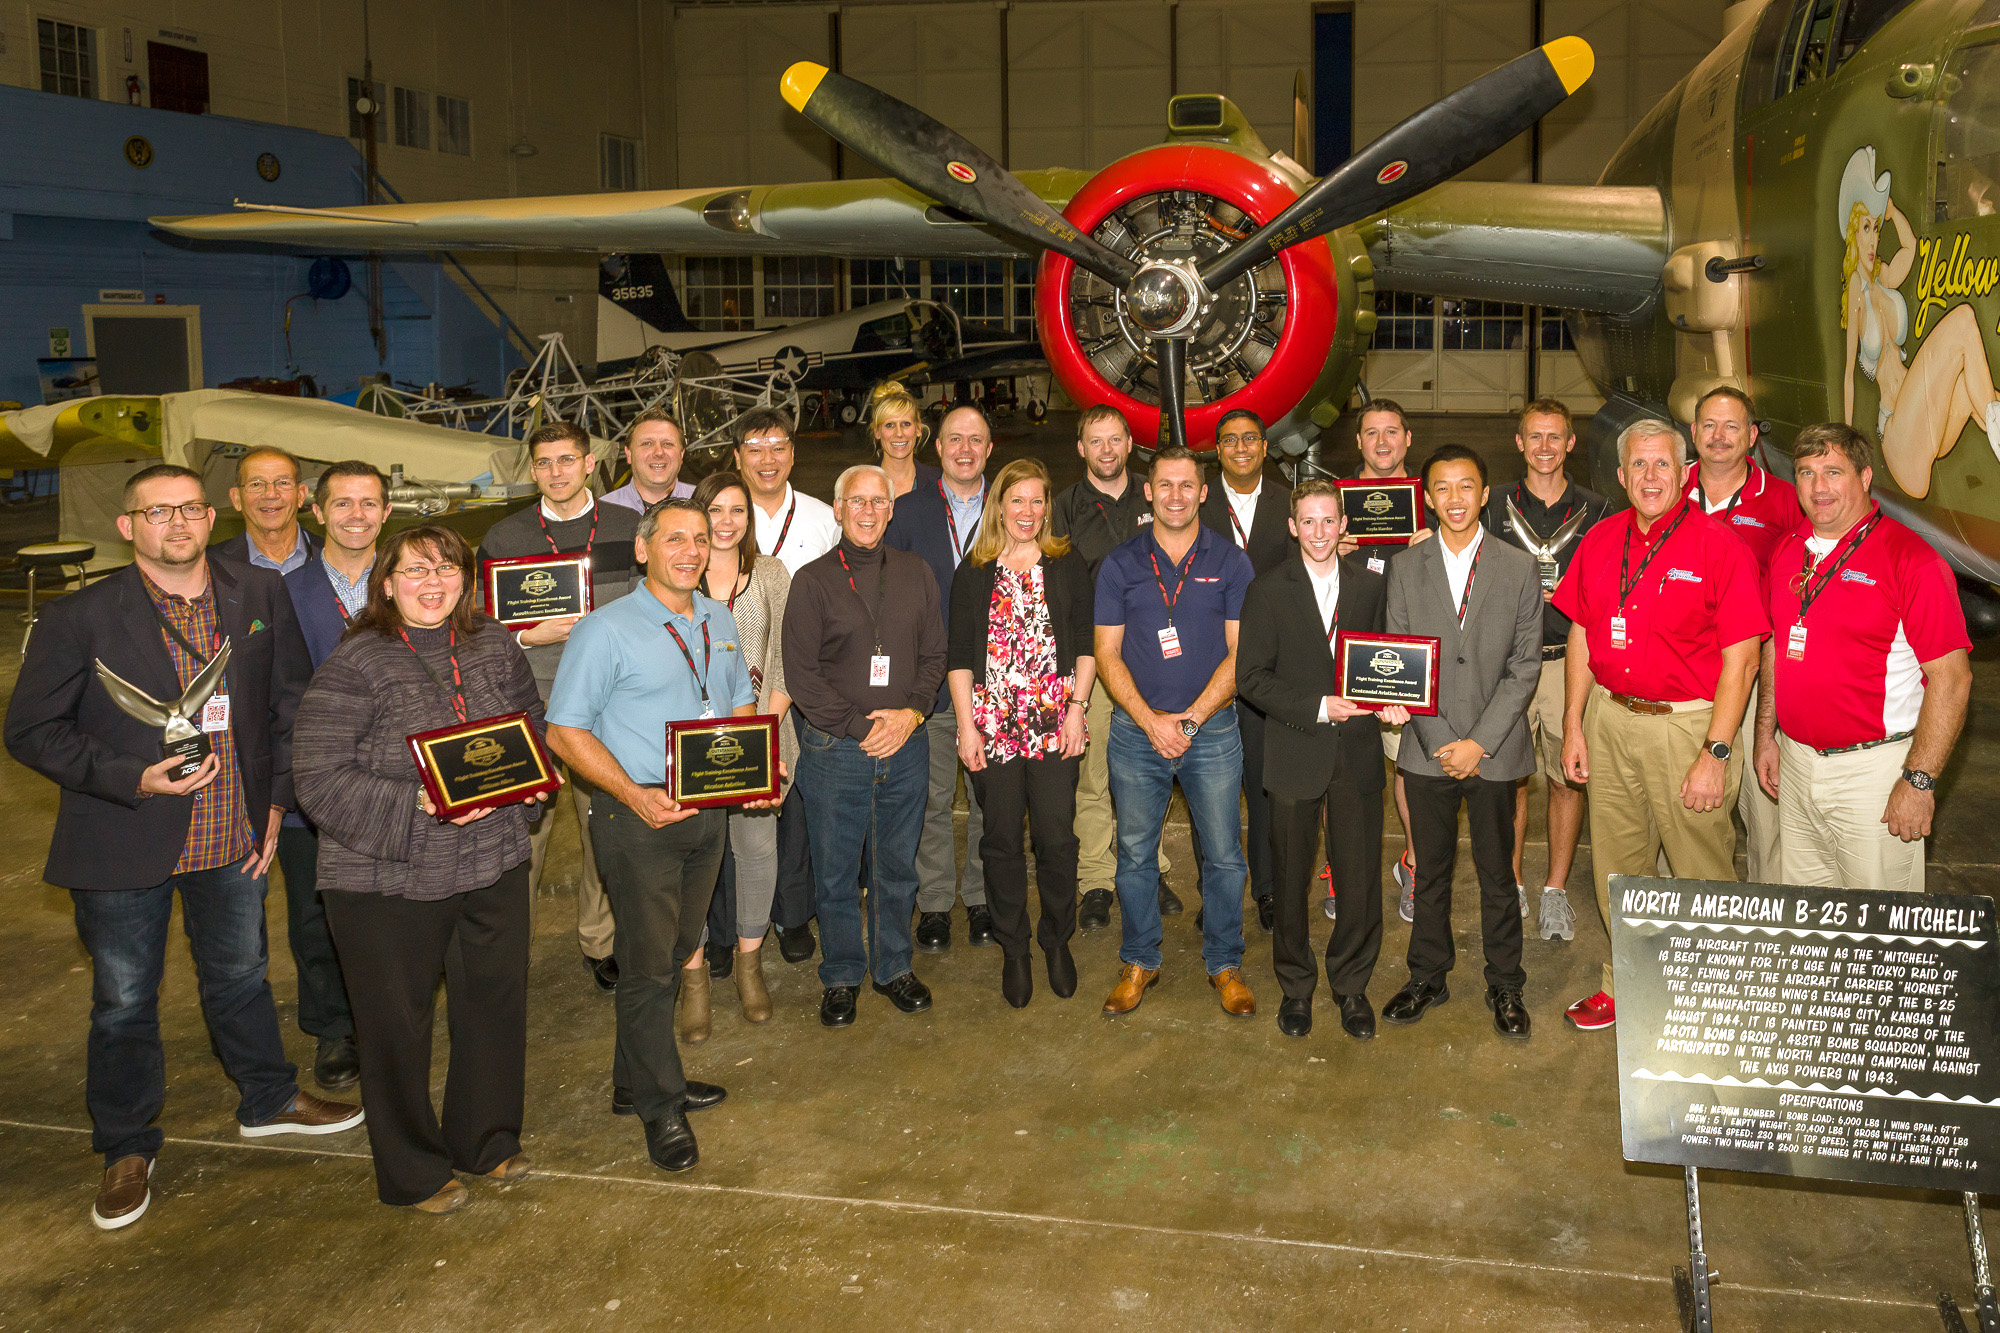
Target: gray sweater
<point x="358" y="783"/>
<point x="613" y="569"/>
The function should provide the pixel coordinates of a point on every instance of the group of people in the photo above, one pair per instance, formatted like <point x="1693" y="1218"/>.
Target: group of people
<point x="1071" y="654"/>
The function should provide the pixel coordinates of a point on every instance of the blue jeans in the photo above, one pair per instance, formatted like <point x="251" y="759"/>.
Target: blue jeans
<point x="125" y="931"/>
<point x="1211" y="777"/>
<point x="853" y="804"/>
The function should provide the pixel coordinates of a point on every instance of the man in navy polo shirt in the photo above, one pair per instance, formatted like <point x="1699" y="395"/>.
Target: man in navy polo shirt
<point x="1167" y="605"/>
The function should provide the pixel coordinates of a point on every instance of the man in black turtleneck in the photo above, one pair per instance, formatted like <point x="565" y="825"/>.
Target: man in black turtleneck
<point x="864" y="651"/>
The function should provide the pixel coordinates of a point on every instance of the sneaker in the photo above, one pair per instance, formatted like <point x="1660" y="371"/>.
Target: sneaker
<point x="1326" y="873"/>
<point x="1592" y="1013"/>
<point x="1406" y="879"/>
<point x="1522" y="889"/>
<point x="1558" y="920"/>
<point x="307" y="1115"/>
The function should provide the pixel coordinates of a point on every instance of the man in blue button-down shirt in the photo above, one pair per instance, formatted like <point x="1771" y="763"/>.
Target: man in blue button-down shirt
<point x="663" y="653"/>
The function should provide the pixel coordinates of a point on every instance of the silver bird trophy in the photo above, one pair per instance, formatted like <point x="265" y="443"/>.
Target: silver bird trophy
<point x="1546" y="550"/>
<point x="181" y="736"/>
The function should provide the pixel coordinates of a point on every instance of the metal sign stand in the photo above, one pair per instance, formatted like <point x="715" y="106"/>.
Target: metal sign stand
<point x="1985" y="1304"/>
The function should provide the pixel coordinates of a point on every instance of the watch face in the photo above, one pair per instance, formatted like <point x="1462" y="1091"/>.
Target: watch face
<point x="1189" y="726"/>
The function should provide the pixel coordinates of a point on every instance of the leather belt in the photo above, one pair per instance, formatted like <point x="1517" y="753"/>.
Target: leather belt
<point x="1643" y="707"/>
<point x="1555" y="654"/>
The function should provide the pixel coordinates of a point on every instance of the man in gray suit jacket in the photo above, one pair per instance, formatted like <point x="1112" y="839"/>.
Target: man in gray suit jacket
<point x="1482" y="601"/>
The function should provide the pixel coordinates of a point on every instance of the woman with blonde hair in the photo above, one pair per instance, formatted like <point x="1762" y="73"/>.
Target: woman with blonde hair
<point x="896" y="425"/>
<point x="1020" y="667"/>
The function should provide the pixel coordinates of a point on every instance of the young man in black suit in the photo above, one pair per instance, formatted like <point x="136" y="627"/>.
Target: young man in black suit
<point x="128" y="837"/>
<point x="1322" y="757"/>
<point x="1254" y="512"/>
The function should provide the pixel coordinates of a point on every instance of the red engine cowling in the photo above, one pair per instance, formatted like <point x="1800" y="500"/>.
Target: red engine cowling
<point x="1312" y="302"/>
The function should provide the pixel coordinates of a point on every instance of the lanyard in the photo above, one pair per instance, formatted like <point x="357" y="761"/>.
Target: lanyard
<point x="456" y="690"/>
<point x="1242" y="537"/>
<point x="1465" y="598"/>
<point x="1626" y="586"/>
<point x="175" y="630"/>
<point x="1521" y="503"/>
<point x="881" y="593"/>
<point x="1809" y="588"/>
<point x="790" y="510"/>
<point x="1734" y="500"/>
<point x="959" y="548"/>
<point x="1170" y="601"/>
<point x="588" y="542"/>
<point x="701" y="676"/>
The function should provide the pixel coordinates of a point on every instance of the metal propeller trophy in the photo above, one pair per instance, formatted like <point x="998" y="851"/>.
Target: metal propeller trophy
<point x="1545" y="550"/>
<point x="182" y="737"/>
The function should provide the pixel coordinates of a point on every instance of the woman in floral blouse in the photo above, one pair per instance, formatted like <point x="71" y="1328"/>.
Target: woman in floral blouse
<point x="1020" y="670"/>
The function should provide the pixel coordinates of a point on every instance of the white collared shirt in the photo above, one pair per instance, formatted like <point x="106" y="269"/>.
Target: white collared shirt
<point x="1326" y="592"/>
<point x="590" y="503"/>
<point x="1458" y="567"/>
<point x="812" y="533"/>
<point x="1245" y="509"/>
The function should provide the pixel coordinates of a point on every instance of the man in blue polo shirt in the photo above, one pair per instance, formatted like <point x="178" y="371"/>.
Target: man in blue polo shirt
<point x="664" y="652"/>
<point x="1167" y="605"/>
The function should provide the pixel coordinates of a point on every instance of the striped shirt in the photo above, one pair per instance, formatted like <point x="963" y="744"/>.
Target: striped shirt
<point x="219" y="831"/>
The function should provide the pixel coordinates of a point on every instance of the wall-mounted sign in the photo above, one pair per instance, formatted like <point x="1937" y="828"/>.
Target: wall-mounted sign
<point x="139" y="151"/>
<point x="120" y="296"/>
<point x="58" y="342"/>
<point x="268" y="166"/>
<point x="64" y="378"/>
<point x="184" y="38"/>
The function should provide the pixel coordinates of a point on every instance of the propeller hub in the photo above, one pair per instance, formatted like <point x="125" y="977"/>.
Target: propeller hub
<point x="1166" y="300"/>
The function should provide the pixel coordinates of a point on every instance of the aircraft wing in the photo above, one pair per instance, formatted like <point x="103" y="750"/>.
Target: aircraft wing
<point x="1573" y="247"/>
<point x="860" y="217"/>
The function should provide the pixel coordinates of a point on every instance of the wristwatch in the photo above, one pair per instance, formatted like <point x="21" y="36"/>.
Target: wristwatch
<point x="1189" y="727"/>
<point x="1919" y="779"/>
<point x="1718" y="750"/>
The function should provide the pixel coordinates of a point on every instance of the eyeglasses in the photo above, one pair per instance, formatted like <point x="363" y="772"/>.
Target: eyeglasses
<point x="419" y="573"/>
<point x="1251" y="438"/>
<point x="264" y="486"/>
<point x="564" y="461"/>
<point x="193" y="512"/>
<point x="868" y="502"/>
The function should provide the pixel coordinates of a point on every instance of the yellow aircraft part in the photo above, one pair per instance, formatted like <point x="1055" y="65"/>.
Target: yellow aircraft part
<point x="800" y="81"/>
<point x="1572" y="58"/>
<point x="134" y="421"/>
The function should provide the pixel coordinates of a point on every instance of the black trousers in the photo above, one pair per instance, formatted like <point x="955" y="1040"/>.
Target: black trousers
<point x="1489" y="812"/>
<point x="323" y="1009"/>
<point x="722" y="906"/>
<point x="659" y="881"/>
<point x="394" y="949"/>
<point x="1353" y="823"/>
<point x="794" y="904"/>
<point x="1257" y="802"/>
<point x="1042" y="791"/>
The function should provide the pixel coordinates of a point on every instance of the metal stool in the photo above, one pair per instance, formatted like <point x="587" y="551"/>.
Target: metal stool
<point x="50" y="555"/>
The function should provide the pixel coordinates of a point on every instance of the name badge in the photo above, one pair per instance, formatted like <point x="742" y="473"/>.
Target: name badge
<point x="1170" y="642"/>
<point x="1376" y="564"/>
<point x="1618" y="639"/>
<point x="878" y="670"/>
<point x="1795" y="643"/>
<point x="215" y="713"/>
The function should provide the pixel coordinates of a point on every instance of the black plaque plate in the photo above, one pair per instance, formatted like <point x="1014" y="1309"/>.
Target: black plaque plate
<point x="1376" y="670"/>
<point x="479" y="765"/>
<point x="524" y="591"/>
<point x="723" y="761"/>
<point x="192" y="752"/>
<point x="1837" y="1034"/>
<point x="1390" y="511"/>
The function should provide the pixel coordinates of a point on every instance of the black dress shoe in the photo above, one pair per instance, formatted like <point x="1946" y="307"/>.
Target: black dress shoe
<point x="795" y="943"/>
<point x="701" y="1096"/>
<point x="1170" y="902"/>
<point x="722" y="962"/>
<point x="1295" y="1017"/>
<point x="1510" y="1014"/>
<point x="1408" y="1004"/>
<point x="906" y="993"/>
<point x="1093" y="910"/>
<point x="604" y="971"/>
<point x="1267" y="911"/>
<point x="336" y="1064"/>
<point x="670" y="1143"/>
<point x="1062" y="971"/>
<point x="978" y="926"/>
<point x="933" y="932"/>
<point x="836" y="1007"/>
<point x="1017" y="980"/>
<point x="1357" y="1016"/>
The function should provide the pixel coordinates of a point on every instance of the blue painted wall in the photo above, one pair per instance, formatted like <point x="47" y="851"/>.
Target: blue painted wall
<point x="72" y="221"/>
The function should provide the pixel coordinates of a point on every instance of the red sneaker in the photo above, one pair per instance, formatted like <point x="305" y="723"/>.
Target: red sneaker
<point x="1592" y="1012"/>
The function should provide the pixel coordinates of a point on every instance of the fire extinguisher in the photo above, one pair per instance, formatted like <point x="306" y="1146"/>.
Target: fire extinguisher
<point x="132" y="90"/>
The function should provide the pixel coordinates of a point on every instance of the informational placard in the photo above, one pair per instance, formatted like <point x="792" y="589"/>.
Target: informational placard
<point x="1837" y="1034"/>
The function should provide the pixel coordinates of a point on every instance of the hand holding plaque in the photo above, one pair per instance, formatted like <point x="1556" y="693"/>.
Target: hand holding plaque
<point x="723" y="761"/>
<point x="524" y="591"/>
<point x="1388" y="511"/>
<point x="479" y="766"/>
<point x="1376" y="671"/>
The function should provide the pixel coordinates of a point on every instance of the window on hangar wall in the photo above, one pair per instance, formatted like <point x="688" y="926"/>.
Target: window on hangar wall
<point x="720" y="292"/>
<point x="801" y="287"/>
<point x="69" y="58"/>
<point x="454" y="125"/>
<point x="413" y="119"/>
<point x="1484" y="326"/>
<point x="872" y="280"/>
<point x="618" y="162"/>
<point x="1404" y="322"/>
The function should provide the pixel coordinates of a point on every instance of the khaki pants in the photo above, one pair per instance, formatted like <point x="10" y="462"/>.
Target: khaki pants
<point x="1830" y="810"/>
<point x="1761" y="838"/>
<point x="1637" y="765"/>
<point x="1096" y="821"/>
<point x="594" y="927"/>
<point x="1545" y="721"/>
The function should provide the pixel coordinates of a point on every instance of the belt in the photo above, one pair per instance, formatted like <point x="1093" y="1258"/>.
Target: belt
<point x="1556" y="653"/>
<point x="1655" y="707"/>
<point x="1865" y="745"/>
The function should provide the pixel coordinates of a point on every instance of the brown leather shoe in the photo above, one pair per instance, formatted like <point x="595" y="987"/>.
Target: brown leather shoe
<point x="1236" y="997"/>
<point x="514" y="1168"/>
<point x="750" y="988"/>
<point x="122" y="1198"/>
<point x="450" y="1199"/>
<point x="307" y="1115"/>
<point x="1133" y="983"/>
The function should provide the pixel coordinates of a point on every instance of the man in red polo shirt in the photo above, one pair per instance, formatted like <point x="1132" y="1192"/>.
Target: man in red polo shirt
<point x="1865" y="678"/>
<point x="1668" y="617"/>
<point x="1763" y="511"/>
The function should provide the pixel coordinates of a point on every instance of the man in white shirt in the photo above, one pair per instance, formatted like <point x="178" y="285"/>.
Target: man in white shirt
<point x="653" y="450"/>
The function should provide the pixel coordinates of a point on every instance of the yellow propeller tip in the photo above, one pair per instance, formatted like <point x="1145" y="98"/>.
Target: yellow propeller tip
<point x="1571" y="57"/>
<point x="800" y="80"/>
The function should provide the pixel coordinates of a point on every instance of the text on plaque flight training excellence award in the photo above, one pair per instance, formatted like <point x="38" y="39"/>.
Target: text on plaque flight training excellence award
<point x="722" y="760"/>
<point x="481" y="765"/>
<point x="180" y="736"/>
<point x="1382" y="512"/>
<point x="1376" y="670"/>
<point x="523" y="591"/>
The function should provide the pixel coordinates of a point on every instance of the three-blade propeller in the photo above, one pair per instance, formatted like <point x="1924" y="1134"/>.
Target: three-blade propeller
<point x="1171" y="302"/>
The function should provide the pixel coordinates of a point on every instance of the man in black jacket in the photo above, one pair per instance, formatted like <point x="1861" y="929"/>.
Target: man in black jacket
<point x="1253" y="511"/>
<point x="128" y="837"/>
<point x="1322" y="756"/>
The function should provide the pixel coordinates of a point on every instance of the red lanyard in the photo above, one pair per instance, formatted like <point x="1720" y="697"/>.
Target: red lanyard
<point x="588" y="542"/>
<point x="701" y="676"/>
<point x="457" y="688"/>
<point x="1170" y="601"/>
<point x="779" y="545"/>
<point x="1465" y="598"/>
<point x="1521" y="493"/>
<point x="958" y="548"/>
<point x="881" y="592"/>
<point x="1242" y="537"/>
<point x="1625" y="587"/>
<point x="1809" y="588"/>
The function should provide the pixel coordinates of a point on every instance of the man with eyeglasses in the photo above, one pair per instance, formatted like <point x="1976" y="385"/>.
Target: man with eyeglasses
<point x="653" y="451"/>
<point x="569" y="520"/>
<point x="129" y="837"/>
<point x="1253" y="512"/>
<point x="267" y="493"/>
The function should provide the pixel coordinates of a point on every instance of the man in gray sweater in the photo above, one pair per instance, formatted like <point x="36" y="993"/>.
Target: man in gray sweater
<point x="568" y="519"/>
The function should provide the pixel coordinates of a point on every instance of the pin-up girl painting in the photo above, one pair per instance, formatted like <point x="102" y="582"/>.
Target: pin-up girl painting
<point x="1926" y="403"/>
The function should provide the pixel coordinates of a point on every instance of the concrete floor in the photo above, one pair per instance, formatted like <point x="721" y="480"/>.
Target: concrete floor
<point x="972" y="1167"/>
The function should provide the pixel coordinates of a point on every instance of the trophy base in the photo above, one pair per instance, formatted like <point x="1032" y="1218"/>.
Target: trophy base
<point x="191" y="751"/>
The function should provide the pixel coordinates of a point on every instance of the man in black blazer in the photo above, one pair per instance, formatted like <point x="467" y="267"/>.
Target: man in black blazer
<point x="269" y="494"/>
<point x="1322" y="756"/>
<point x="127" y="837"/>
<point x="1254" y="511"/>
